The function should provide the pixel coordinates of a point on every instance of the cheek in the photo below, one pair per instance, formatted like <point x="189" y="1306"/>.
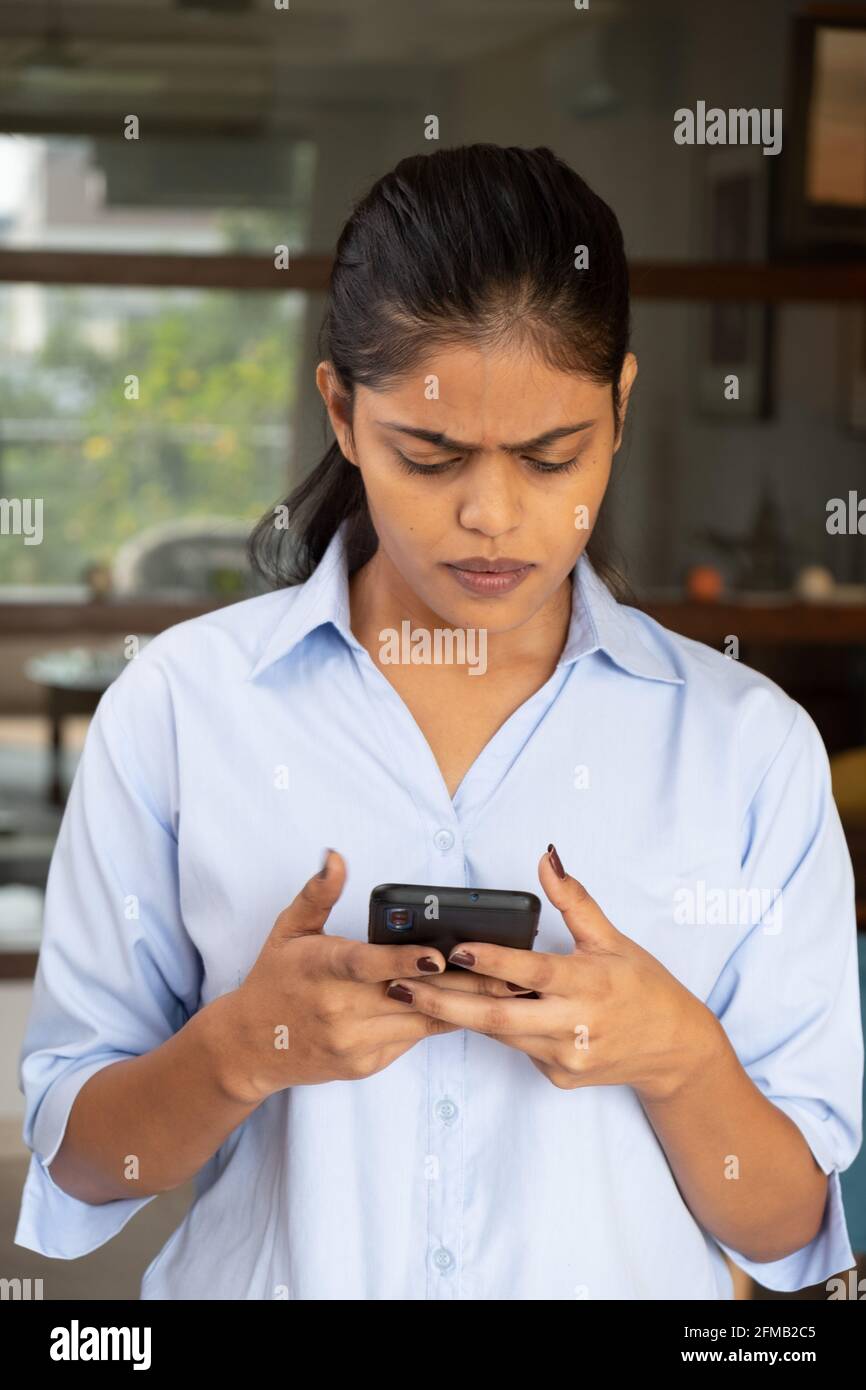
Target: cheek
<point x="592" y="480"/>
<point x="409" y="505"/>
<point x="405" y="520"/>
<point x="390" y="494"/>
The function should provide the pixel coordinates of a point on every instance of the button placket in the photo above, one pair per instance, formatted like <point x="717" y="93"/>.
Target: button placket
<point x="445" y="1065"/>
<point x="443" y="1164"/>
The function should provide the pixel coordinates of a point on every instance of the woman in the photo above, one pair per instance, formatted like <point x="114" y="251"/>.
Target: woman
<point x="674" y="1070"/>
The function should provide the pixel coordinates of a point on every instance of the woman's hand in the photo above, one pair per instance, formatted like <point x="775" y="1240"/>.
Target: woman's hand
<point x="313" y="1007"/>
<point x="608" y="1013"/>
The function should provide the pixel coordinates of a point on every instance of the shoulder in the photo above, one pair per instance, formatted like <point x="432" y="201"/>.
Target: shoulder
<point x="731" y="703"/>
<point x="193" y="659"/>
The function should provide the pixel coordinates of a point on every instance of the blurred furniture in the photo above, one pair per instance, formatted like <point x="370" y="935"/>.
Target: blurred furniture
<point x="849" y="785"/>
<point x="784" y="621"/>
<point x="187" y="558"/>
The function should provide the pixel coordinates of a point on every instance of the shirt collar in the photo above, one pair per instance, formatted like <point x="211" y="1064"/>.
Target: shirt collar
<point x="598" y="621"/>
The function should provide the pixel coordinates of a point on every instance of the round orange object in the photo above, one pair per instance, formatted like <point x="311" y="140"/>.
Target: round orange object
<point x="704" y="583"/>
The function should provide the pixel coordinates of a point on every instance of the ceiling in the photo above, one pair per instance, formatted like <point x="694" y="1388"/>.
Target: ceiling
<point x="243" y="66"/>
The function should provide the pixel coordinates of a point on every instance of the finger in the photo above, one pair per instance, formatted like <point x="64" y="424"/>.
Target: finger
<point x="370" y="964"/>
<point x="475" y="983"/>
<point x="307" y="913"/>
<point x="451" y="979"/>
<point x="387" y="1004"/>
<point x="538" y="970"/>
<point x="483" y="1015"/>
<point x="582" y="915"/>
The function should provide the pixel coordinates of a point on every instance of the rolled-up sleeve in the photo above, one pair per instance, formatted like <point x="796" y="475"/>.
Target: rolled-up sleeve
<point x="789" y="996"/>
<point x="117" y="973"/>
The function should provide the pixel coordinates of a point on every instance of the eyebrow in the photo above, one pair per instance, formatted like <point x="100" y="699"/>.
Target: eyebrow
<point x="445" y="442"/>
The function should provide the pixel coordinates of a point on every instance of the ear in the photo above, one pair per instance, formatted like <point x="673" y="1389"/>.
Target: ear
<point x="626" y="381"/>
<point x="337" y="406"/>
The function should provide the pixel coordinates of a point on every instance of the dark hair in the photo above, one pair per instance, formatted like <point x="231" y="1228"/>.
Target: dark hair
<point x="473" y="244"/>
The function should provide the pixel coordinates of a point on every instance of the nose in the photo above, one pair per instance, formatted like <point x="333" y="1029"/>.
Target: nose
<point x="491" y="499"/>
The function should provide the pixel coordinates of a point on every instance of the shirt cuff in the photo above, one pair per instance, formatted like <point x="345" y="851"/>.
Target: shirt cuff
<point x="51" y="1221"/>
<point x="829" y="1252"/>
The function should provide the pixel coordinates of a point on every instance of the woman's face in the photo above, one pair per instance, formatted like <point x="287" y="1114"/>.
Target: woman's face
<point x="522" y="454"/>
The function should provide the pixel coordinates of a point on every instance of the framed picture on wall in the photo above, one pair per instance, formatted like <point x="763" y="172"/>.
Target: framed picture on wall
<point x="820" y="204"/>
<point x="733" y="340"/>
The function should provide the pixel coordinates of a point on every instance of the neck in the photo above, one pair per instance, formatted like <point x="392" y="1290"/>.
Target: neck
<point x="380" y="598"/>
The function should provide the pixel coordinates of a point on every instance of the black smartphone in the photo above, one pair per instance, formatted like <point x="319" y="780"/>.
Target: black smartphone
<point x="417" y="914"/>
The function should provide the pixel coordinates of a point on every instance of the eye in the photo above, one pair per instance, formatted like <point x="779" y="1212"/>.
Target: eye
<point x="541" y="467"/>
<point x="431" y="469"/>
<point x="409" y="466"/>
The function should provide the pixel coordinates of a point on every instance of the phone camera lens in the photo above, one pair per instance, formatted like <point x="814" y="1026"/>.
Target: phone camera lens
<point x="398" y="918"/>
<point x="473" y="897"/>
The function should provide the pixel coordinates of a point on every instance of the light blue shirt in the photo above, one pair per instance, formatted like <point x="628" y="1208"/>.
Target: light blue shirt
<point x="688" y="793"/>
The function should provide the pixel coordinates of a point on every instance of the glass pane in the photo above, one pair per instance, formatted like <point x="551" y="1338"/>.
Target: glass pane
<point x="836" y="165"/>
<point x="184" y="195"/>
<point x="124" y="410"/>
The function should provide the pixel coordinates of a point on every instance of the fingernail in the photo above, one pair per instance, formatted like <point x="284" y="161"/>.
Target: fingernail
<point x="518" y="989"/>
<point x="555" y="861"/>
<point x="461" y="958"/>
<point x="400" y="992"/>
<point x="323" y="872"/>
<point x="429" y="964"/>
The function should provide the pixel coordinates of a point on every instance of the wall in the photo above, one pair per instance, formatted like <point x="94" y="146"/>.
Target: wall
<point x="679" y="471"/>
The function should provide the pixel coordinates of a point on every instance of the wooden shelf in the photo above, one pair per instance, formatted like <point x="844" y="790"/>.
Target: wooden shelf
<point x="789" y="624"/>
<point x="782" y="624"/>
<point x="702" y="281"/>
<point x="35" y="618"/>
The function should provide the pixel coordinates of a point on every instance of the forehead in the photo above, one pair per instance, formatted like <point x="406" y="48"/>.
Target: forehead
<point x="469" y="392"/>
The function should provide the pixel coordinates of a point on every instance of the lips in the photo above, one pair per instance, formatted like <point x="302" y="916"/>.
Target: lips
<point x="478" y="565"/>
<point x="477" y="576"/>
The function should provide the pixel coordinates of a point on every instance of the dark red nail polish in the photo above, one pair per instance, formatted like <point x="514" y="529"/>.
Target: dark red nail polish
<point x="462" y="958"/>
<point x="428" y="964"/>
<point x="556" y="861"/>
<point x="518" y="989"/>
<point x="400" y="992"/>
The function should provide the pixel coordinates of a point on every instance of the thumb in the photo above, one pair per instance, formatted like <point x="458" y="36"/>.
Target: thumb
<point x="581" y="913"/>
<point x="309" y="911"/>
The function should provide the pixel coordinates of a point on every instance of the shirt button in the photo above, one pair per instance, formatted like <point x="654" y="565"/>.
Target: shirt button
<point x="446" y="1110"/>
<point x="443" y="839"/>
<point x="443" y="1259"/>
